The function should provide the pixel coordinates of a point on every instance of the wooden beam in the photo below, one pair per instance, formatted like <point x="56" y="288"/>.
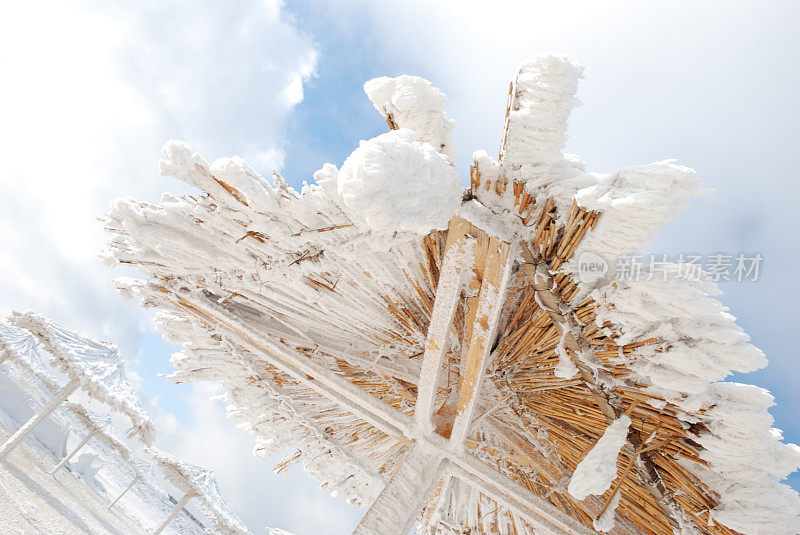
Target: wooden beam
<point x="66" y="459"/>
<point x="457" y="263"/>
<point x="173" y="513"/>
<point x="401" y="500"/>
<point x="496" y="275"/>
<point x="124" y="491"/>
<point x="512" y="93"/>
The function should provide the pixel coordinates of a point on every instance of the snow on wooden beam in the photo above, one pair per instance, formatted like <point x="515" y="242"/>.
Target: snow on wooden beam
<point x="496" y="275"/>
<point x="457" y="262"/>
<point x="401" y="500"/>
<point x="27" y="428"/>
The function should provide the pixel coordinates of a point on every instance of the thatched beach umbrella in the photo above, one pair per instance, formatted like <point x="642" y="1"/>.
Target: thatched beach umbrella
<point x="94" y="366"/>
<point x="200" y="483"/>
<point x="474" y="360"/>
<point x="144" y="472"/>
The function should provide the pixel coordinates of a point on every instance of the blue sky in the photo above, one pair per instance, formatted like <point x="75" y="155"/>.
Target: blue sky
<point x="96" y="88"/>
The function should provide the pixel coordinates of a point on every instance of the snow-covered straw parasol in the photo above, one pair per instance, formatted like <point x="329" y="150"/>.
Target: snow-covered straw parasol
<point x="98" y="366"/>
<point x="200" y="483"/>
<point x="465" y="358"/>
<point x="21" y="347"/>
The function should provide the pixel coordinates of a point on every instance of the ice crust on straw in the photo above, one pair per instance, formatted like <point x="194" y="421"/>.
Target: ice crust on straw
<point x="20" y="346"/>
<point x="268" y="410"/>
<point x="101" y="425"/>
<point x="545" y="96"/>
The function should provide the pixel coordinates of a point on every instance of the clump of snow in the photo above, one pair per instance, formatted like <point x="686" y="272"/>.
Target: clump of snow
<point x="179" y="161"/>
<point x="394" y="182"/>
<point x="413" y="103"/>
<point x="544" y="98"/>
<point x="598" y="469"/>
<point x="566" y="368"/>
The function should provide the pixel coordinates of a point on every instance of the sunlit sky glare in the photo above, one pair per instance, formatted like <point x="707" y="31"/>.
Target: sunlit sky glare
<point x="92" y="90"/>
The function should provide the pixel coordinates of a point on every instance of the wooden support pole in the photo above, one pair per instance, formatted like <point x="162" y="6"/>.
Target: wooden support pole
<point x="59" y="397"/>
<point x="121" y="494"/>
<point x="457" y="262"/>
<point x="402" y="499"/>
<point x="172" y="514"/>
<point x="66" y="459"/>
<point x="496" y="275"/>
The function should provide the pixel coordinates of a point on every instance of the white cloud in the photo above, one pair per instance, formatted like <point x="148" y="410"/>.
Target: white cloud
<point x="92" y="92"/>
<point x="306" y="70"/>
<point x="268" y="160"/>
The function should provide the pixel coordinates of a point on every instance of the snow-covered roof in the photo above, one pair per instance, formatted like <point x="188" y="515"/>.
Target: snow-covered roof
<point x="98" y="365"/>
<point x="201" y="483"/>
<point x="280" y="294"/>
<point x="21" y="347"/>
<point x="102" y="426"/>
